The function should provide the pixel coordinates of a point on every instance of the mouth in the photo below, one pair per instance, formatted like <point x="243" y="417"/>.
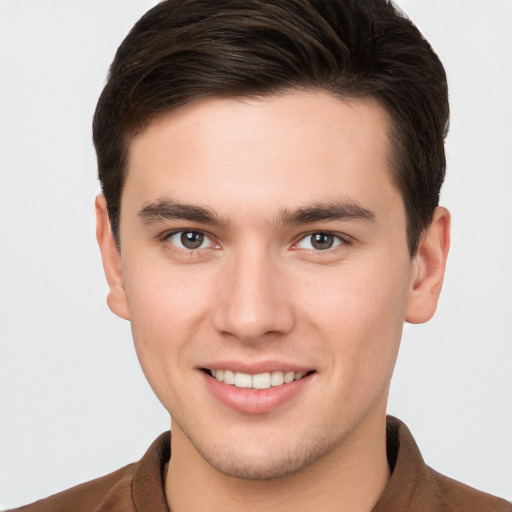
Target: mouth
<point x="263" y="380"/>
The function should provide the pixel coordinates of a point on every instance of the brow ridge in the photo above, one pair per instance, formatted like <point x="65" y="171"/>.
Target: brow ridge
<point x="170" y="209"/>
<point x="329" y="211"/>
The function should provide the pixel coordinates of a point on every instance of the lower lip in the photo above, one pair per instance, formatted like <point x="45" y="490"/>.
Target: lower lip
<point x="254" y="401"/>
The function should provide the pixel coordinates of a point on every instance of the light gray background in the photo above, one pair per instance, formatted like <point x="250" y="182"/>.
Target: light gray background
<point x="73" y="402"/>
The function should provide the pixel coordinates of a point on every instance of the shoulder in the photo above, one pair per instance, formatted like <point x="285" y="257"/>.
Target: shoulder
<point x="114" y="489"/>
<point x="414" y="486"/>
<point x="138" y="486"/>
<point x="457" y="496"/>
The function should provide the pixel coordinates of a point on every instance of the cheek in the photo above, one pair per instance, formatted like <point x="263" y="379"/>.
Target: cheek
<point x="162" y="297"/>
<point x="361" y="315"/>
<point x="167" y="308"/>
<point x="164" y="322"/>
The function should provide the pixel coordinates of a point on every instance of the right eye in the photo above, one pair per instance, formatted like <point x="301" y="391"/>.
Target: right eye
<point x="190" y="240"/>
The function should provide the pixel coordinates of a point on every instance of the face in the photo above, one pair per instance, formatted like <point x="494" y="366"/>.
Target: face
<point x="265" y="272"/>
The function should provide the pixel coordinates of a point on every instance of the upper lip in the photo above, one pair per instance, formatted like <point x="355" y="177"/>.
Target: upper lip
<point x="255" y="368"/>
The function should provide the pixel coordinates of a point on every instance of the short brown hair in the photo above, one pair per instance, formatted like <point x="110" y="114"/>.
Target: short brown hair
<point x="185" y="50"/>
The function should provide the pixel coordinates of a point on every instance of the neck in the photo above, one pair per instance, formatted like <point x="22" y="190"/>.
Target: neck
<point x="351" y="477"/>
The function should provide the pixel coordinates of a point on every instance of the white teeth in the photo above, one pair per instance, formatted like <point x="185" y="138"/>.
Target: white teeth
<point x="243" y="380"/>
<point x="258" y="381"/>
<point x="277" y="378"/>
<point x="229" y="377"/>
<point x="289" y="377"/>
<point x="261" y="381"/>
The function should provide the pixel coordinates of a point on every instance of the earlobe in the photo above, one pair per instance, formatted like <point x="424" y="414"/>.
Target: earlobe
<point x="428" y="268"/>
<point x="111" y="257"/>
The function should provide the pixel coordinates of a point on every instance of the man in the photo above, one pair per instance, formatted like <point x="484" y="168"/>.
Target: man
<point x="271" y="174"/>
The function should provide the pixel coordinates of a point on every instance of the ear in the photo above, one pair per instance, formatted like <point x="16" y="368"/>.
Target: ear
<point x="116" y="298"/>
<point x="428" y="269"/>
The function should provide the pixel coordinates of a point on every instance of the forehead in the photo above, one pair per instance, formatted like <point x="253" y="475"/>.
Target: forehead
<point x="296" y="147"/>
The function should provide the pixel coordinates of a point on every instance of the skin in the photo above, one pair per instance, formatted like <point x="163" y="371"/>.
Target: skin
<point x="258" y="293"/>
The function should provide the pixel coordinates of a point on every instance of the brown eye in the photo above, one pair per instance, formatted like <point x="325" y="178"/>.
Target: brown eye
<point x="322" y="241"/>
<point x="191" y="239"/>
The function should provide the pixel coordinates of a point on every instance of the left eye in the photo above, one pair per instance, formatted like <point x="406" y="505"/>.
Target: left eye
<point x="319" y="241"/>
<point x="189" y="240"/>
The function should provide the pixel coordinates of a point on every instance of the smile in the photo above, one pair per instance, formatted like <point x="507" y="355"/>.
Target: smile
<point x="257" y="381"/>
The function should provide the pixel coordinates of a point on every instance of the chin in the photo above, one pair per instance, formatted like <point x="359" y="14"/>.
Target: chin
<point x="270" y="465"/>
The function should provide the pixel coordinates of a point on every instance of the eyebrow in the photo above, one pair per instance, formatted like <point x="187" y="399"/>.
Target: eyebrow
<point x="170" y="209"/>
<point x="330" y="211"/>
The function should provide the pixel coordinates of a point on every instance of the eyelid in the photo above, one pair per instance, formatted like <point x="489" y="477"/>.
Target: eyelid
<point x="344" y="240"/>
<point x="168" y="234"/>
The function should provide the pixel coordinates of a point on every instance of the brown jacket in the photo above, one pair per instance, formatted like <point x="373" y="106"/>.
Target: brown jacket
<point x="413" y="486"/>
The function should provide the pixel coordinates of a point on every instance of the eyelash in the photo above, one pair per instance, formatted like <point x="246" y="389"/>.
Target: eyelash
<point x="167" y="238"/>
<point x="338" y="240"/>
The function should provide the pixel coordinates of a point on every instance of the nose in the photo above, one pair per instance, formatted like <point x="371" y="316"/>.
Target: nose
<point x="253" y="299"/>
